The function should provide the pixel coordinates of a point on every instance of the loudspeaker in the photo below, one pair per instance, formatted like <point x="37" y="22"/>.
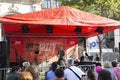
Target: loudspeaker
<point x="99" y="30"/>
<point x="78" y="30"/>
<point x="25" y="28"/>
<point x="3" y="54"/>
<point x="49" y="28"/>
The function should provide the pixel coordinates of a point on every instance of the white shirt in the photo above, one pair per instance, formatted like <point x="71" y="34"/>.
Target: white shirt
<point x="69" y="75"/>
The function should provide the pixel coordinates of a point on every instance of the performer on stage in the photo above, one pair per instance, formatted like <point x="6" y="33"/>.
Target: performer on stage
<point x="85" y="57"/>
<point x="61" y="54"/>
<point x="97" y="58"/>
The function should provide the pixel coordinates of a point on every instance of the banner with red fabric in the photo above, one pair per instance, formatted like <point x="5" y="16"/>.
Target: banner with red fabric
<point x="38" y="49"/>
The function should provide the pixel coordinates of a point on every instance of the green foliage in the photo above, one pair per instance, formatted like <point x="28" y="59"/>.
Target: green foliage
<point x="106" y="8"/>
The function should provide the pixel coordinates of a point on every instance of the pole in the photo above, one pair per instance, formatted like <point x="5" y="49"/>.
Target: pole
<point x="100" y="49"/>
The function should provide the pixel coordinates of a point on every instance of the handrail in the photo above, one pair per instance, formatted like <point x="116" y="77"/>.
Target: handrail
<point x="4" y="68"/>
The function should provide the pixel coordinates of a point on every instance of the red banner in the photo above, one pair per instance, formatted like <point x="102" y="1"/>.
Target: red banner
<point x="16" y="49"/>
<point x="38" y="49"/>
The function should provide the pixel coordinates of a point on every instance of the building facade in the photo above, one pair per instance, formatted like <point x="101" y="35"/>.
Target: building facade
<point x="8" y="7"/>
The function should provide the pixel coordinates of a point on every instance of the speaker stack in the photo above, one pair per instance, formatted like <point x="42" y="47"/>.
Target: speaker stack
<point x="99" y="30"/>
<point x="49" y="29"/>
<point x="3" y="54"/>
<point x="78" y="30"/>
<point x="25" y="28"/>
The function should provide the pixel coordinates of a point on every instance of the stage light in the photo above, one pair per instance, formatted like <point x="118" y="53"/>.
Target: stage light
<point x="99" y="30"/>
<point x="78" y="30"/>
<point x="25" y="28"/>
<point x="49" y="28"/>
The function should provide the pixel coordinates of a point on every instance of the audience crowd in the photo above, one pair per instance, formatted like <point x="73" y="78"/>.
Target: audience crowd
<point x="72" y="71"/>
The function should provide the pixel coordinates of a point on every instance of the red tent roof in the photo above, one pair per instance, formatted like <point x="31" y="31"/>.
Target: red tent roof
<point x="64" y="20"/>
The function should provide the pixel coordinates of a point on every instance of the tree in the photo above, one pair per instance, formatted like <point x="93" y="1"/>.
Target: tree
<point x="105" y="8"/>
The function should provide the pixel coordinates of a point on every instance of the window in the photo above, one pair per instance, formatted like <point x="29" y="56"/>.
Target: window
<point x="50" y="4"/>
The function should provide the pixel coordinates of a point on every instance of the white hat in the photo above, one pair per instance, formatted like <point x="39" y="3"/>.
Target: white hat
<point x="25" y="64"/>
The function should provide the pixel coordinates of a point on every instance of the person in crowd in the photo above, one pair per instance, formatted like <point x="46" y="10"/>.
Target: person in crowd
<point x="104" y="75"/>
<point x="114" y="64"/>
<point x="25" y="64"/>
<point x="76" y="63"/>
<point x="47" y="72"/>
<point x="33" y="70"/>
<point x="72" y="72"/>
<point x="116" y="70"/>
<point x="51" y="73"/>
<point x="107" y="66"/>
<point x="25" y="75"/>
<point x="91" y="75"/>
<point x="13" y="75"/>
<point x="98" y="69"/>
<point x="59" y="73"/>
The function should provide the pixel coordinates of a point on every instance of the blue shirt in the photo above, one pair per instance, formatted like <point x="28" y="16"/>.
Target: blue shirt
<point x="112" y="73"/>
<point x="51" y="75"/>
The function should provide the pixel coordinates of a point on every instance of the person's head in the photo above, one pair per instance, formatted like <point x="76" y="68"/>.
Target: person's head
<point x="96" y="55"/>
<point x="98" y="69"/>
<point x="54" y="66"/>
<point x="25" y="76"/>
<point x="104" y="75"/>
<point x="91" y="75"/>
<point x="70" y="62"/>
<point x="33" y="70"/>
<point x="26" y="64"/>
<point x="107" y="64"/>
<point x="76" y="63"/>
<point x="59" y="73"/>
<point x="114" y="64"/>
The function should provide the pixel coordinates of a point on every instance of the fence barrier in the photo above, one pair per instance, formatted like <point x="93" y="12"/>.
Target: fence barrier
<point x="3" y="72"/>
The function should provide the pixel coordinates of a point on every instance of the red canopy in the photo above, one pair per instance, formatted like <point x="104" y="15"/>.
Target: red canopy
<point x="63" y="20"/>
